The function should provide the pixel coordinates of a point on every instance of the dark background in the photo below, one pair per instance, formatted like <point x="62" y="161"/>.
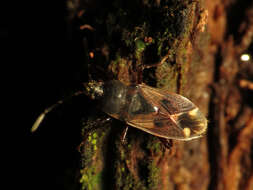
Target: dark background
<point x="53" y="69"/>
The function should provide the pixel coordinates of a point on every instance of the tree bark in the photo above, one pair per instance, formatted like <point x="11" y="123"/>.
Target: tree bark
<point x="203" y="65"/>
<point x="230" y="134"/>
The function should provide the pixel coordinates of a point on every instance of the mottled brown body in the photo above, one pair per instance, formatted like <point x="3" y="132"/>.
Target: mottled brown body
<point x="163" y="114"/>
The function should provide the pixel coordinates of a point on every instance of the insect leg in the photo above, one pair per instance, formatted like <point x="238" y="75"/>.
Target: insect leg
<point x="124" y="135"/>
<point x="49" y="109"/>
<point x="168" y="143"/>
<point x="156" y="64"/>
<point x="141" y="67"/>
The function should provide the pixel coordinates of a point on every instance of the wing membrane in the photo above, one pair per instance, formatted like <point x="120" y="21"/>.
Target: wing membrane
<point x="160" y="122"/>
<point x="171" y="102"/>
<point x="159" y="126"/>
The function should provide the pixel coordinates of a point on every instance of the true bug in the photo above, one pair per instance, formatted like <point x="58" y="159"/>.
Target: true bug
<point x="163" y="114"/>
<point x="155" y="111"/>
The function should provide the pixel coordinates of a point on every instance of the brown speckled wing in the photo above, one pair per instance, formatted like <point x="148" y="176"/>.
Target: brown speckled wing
<point x="161" y="122"/>
<point x="173" y="103"/>
<point x="158" y="126"/>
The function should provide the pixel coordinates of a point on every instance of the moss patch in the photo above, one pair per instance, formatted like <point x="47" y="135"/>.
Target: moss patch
<point x="92" y="157"/>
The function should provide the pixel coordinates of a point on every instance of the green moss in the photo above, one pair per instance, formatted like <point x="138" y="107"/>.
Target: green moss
<point x="139" y="49"/>
<point x="92" y="158"/>
<point x="153" y="177"/>
<point x="92" y="139"/>
<point x="90" y="179"/>
<point x="119" y="67"/>
<point x="154" y="145"/>
<point x="94" y="142"/>
<point x="94" y="135"/>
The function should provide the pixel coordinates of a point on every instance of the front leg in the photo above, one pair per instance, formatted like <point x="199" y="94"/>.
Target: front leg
<point x="124" y="133"/>
<point x="141" y="67"/>
<point x="156" y="64"/>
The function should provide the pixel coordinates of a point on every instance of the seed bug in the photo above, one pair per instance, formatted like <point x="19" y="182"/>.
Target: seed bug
<point x="155" y="111"/>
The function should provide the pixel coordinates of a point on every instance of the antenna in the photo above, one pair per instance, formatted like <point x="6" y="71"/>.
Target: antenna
<point x="49" y="109"/>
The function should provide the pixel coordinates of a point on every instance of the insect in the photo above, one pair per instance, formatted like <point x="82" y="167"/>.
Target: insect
<point x="155" y="111"/>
